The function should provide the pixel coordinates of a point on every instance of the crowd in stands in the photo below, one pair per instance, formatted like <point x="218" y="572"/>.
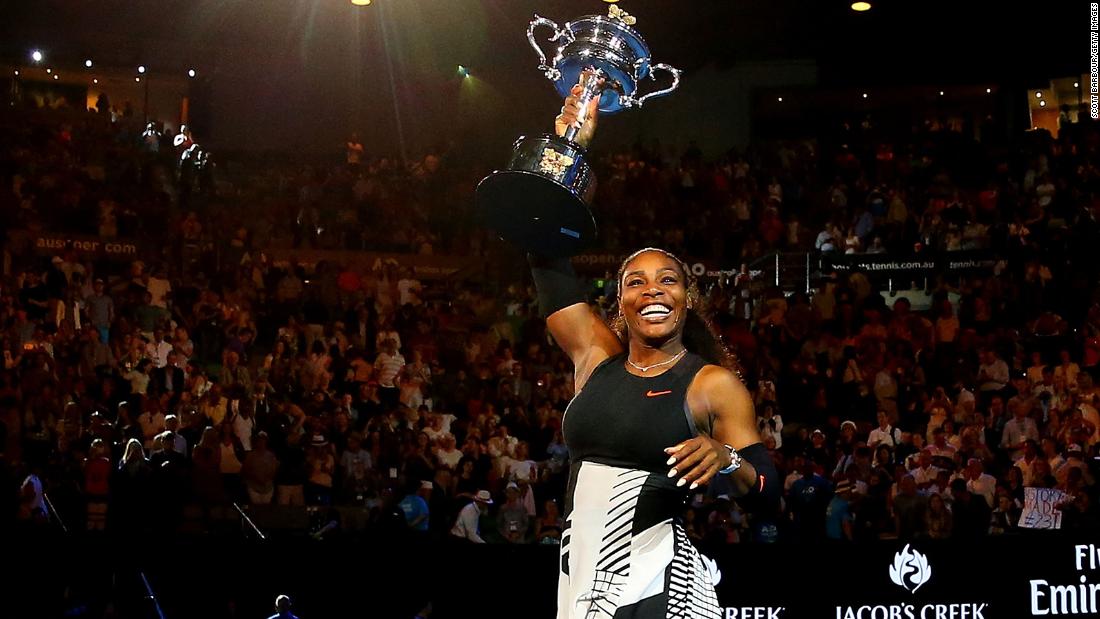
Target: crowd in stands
<point x="154" y="393"/>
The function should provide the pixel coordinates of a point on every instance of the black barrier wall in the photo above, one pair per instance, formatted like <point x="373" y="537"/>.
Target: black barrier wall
<point x="1038" y="575"/>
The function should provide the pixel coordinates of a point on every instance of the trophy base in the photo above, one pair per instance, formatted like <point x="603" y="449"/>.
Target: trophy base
<point x="536" y="213"/>
<point x="540" y="201"/>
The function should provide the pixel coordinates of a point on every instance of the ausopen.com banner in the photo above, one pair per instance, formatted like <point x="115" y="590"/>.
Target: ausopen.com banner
<point x="1031" y="575"/>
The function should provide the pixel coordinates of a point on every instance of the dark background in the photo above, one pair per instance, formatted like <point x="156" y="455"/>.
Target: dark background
<point x="382" y="578"/>
<point x="298" y="75"/>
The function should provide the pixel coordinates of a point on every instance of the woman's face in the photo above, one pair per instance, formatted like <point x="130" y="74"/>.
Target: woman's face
<point x="654" y="296"/>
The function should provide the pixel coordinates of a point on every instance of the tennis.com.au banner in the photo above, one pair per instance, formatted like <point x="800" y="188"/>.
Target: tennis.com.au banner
<point x="1037" y="574"/>
<point x="922" y="265"/>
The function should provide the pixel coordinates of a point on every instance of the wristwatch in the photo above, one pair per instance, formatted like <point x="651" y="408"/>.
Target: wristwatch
<point x="735" y="461"/>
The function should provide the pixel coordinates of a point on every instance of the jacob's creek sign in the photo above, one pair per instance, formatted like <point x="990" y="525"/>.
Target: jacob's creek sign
<point x="1075" y="598"/>
<point x="754" y="612"/>
<point x="914" y="611"/>
<point x="911" y="570"/>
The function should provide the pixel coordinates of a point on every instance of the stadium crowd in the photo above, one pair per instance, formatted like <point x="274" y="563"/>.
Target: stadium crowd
<point x="155" y="392"/>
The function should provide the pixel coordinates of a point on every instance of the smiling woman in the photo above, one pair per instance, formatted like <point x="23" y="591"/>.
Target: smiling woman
<point x="698" y="334"/>
<point x="660" y="410"/>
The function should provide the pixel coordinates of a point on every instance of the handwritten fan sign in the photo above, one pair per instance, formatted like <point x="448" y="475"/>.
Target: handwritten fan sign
<point x="1041" y="508"/>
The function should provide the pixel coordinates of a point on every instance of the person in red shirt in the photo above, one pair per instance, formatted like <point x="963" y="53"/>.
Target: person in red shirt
<point x="97" y="476"/>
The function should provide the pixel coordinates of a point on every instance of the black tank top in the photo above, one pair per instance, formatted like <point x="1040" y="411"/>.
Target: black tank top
<point x="620" y="419"/>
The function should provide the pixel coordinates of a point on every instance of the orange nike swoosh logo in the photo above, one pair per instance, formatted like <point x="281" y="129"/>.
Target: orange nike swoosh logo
<point x="653" y="394"/>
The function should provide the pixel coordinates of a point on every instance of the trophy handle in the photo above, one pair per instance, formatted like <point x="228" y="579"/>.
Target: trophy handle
<point x="552" y="73"/>
<point x="630" y="101"/>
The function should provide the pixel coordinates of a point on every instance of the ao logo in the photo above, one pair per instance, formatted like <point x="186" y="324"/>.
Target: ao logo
<point x="910" y="569"/>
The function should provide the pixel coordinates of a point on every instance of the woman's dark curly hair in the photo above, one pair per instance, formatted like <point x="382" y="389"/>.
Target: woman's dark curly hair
<point x="699" y="336"/>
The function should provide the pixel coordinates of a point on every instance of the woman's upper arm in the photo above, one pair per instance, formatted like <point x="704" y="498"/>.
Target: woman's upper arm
<point x="584" y="338"/>
<point x="723" y="397"/>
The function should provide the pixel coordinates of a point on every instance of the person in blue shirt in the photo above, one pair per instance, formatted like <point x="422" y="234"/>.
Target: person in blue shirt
<point x="838" y="515"/>
<point x="415" y="506"/>
<point x="808" y="498"/>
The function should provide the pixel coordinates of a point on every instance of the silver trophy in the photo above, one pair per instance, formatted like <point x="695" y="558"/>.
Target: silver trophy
<point x="540" y="201"/>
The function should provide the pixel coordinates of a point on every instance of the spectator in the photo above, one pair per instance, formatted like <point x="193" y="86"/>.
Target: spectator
<point x="387" y="366"/>
<point x="101" y="310"/>
<point x="321" y="467"/>
<point x="909" y="510"/>
<point x="512" y="519"/>
<point x="467" y="525"/>
<point x="258" y="472"/>
<point x="282" y="609"/>
<point x="938" y="519"/>
<point x="970" y="514"/>
<point x="415" y="507"/>
<point x="770" y="425"/>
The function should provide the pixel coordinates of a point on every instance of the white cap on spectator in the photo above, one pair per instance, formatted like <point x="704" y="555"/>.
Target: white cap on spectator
<point x="512" y="486"/>
<point x="483" y="496"/>
<point x="1074" y="448"/>
<point x="426" y="485"/>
